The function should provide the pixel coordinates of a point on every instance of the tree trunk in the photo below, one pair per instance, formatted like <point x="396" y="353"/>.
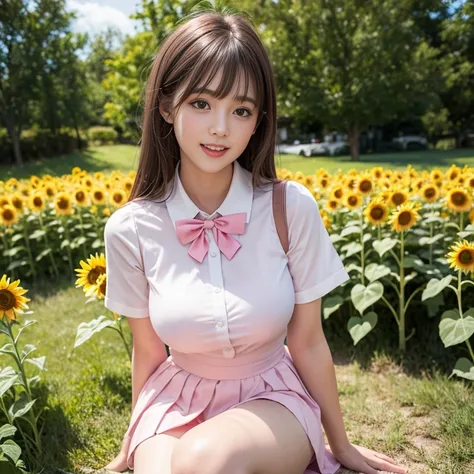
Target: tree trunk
<point x="15" y="138"/>
<point x="353" y="133"/>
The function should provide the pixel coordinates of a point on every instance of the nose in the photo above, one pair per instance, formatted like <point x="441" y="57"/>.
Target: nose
<point x="220" y="124"/>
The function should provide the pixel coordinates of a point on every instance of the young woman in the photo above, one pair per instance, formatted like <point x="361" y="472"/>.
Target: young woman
<point x="194" y="261"/>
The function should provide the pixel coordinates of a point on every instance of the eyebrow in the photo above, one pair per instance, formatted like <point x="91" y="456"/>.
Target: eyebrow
<point x="239" y="98"/>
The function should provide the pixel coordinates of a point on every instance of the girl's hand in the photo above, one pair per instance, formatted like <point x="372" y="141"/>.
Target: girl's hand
<point x="119" y="464"/>
<point x="366" y="461"/>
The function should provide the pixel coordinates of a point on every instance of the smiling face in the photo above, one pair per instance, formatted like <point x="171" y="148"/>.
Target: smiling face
<point x="204" y="119"/>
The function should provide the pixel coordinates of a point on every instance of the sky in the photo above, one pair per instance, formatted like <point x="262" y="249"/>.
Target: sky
<point x="95" y="16"/>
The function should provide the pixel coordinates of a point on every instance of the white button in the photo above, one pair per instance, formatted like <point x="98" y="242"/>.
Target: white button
<point x="213" y="254"/>
<point x="220" y="323"/>
<point x="217" y="290"/>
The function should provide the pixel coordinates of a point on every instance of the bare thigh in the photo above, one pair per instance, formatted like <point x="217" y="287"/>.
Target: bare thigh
<point x="257" y="437"/>
<point x="153" y="456"/>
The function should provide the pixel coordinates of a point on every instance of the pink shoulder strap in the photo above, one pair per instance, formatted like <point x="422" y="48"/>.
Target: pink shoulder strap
<point x="279" y="212"/>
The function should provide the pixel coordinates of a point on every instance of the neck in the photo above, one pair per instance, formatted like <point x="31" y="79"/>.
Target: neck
<point x="206" y="190"/>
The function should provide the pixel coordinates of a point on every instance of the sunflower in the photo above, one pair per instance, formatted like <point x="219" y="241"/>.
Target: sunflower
<point x="4" y="200"/>
<point x="398" y="197"/>
<point x="90" y="271"/>
<point x="429" y="193"/>
<point x="63" y="204"/>
<point x="11" y="301"/>
<point x="98" y="196"/>
<point x="470" y="181"/>
<point x="18" y="201"/>
<point x="364" y="185"/>
<point x="459" y="200"/>
<point x="353" y="200"/>
<point x="453" y="173"/>
<point x="80" y="196"/>
<point x="436" y="175"/>
<point x="376" y="212"/>
<point x="404" y="217"/>
<point x="8" y="215"/>
<point x="98" y="290"/>
<point x="332" y="205"/>
<point x="326" y="219"/>
<point x="461" y="256"/>
<point x="377" y="172"/>
<point x="37" y="202"/>
<point x="336" y="193"/>
<point x="471" y="216"/>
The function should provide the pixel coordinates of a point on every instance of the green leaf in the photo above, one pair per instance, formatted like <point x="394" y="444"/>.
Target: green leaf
<point x="37" y="234"/>
<point x="13" y="251"/>
<point x="16" y="264"/>
<point x="21" y="406"/>
<point x="8" y="377"/>
<point x="353" y="266"/>
<point x="86" y="330"/>
<point x="331" y="304"/>
<point x="383" y="246"/>
<point x="464" y="368"/>
<point x="43" y="254"/>
<point x="17" y="237"/>
<point x="65" y="243"/>
<point x="352" y="248"/>
<point x="38" y="361"/>
<point x="430" y="240"/>
<point x="453" y="329"/>
<point x="375" y="271"/>
<point x="8" y="348"/>
<point x="27" y="350"/>
<point x="353" y="229"/>
<point x="364" y="296"/>
<point x="360" y="327"/>
<point x="7" y="430"/>
<point x="435" y="286"/>
<point x="11" y="450"/>
<point x="467" y="232"/>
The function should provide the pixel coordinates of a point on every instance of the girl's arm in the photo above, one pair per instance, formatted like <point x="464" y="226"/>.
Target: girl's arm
<point x="148" y="353"/>
<point x="313" y="360"/>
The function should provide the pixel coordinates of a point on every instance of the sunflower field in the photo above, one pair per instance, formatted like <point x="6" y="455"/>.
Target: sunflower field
<point x="406" y="239"/>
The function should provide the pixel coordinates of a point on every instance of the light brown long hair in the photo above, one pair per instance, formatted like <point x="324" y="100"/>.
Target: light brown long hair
<point x="195" y="50"/>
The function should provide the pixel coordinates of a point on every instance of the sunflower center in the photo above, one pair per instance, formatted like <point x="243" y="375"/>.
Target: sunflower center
<point x="338" y="193"/>
<point x="63" y="203"/>
<point x="365" y="186"/>
<point x="7" y="300"/>
<point x="404" y="218"/>
<point x="376" y="213"/>
<point x="80" y="196"/>
<point x="352" y="200"/>
<point x="466" y="257"/>
<point x="117" y="198"/>
<point x="94" y="274"/>
<point x="398" y="198"/>
<point x="430" y="193"/>
<point x="458" y="198"/>
<point x="7" y="215"/>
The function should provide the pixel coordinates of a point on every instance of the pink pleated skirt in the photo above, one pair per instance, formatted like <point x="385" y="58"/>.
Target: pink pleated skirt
<point x="174" y="397"/>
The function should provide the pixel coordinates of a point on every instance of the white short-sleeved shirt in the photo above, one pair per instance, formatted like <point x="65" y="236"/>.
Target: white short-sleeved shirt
<point x="219" y="313"/>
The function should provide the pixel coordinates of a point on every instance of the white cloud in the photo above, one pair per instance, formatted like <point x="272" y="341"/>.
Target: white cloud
<point x="94" y="18"/>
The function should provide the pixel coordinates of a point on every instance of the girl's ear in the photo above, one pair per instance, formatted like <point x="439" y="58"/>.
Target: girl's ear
<point x="166" y="114"/>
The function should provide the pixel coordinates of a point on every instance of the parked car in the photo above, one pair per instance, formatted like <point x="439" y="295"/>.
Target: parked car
<point x="411" y="142"/>
<point x="314" y="149"/>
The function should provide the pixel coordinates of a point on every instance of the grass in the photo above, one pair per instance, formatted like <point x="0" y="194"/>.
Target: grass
<point x="125" y="158"/>
<point x="415" y="415"/>
<point x="407" y="409"/>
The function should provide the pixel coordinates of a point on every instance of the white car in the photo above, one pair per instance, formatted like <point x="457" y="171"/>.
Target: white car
<point x="313" y="149"/>
<point x="410" y="142"/>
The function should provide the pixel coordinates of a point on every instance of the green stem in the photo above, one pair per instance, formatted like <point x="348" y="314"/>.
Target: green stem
<point x="28" y="248"/>
<point x="68" y="247"/>
<point x="5" y="243"/>
<point x="401" y="327"/>
<point x="82" y="233"/>
<point x="392" y="309"/>
<point x="470" y="349"/>
<point x="465" y="282"/>
<point x="394" y="255"/>
<point x="412" y="295"/>
<point x="362" y="257"/>
<point x="31" y="412"/>
<point x="459" y="293"/>
<point x="461" y="222"/>
<point x="120" y="331"/>
<point x="51" y="257"/>
<point x="431" y="244"/>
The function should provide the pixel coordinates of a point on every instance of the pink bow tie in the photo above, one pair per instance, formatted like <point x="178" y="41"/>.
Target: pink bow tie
<point x="192" y="230"/>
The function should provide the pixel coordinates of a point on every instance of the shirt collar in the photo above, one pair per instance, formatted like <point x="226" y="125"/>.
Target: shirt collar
<point x="239" y="197"/>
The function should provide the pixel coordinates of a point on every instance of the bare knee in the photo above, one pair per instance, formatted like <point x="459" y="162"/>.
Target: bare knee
<point x="200" y="456"/>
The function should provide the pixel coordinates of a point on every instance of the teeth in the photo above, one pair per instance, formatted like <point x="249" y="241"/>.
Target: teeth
<point x="214" y="148"/>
